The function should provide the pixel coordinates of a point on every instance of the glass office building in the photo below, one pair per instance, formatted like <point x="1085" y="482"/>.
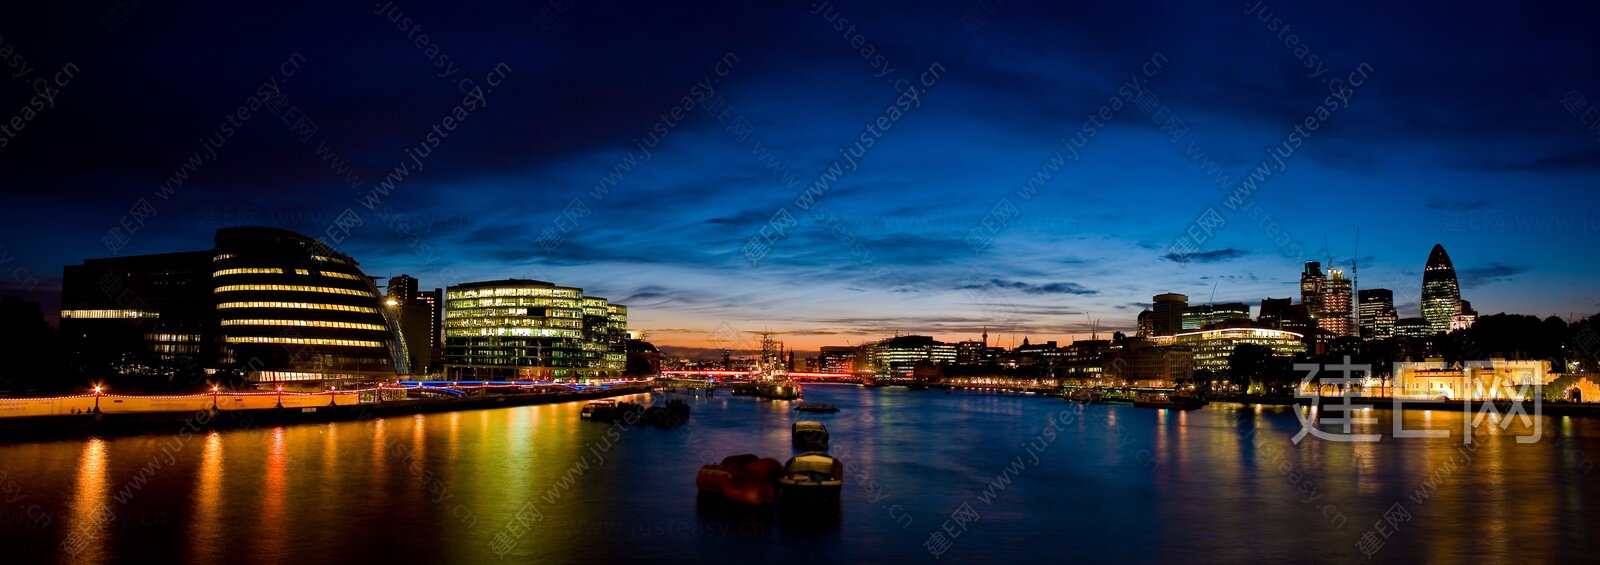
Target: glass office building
<point x="518" y="329"/>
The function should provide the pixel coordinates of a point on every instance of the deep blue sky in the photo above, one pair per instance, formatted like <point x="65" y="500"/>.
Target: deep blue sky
<point x="1458" y="137"/>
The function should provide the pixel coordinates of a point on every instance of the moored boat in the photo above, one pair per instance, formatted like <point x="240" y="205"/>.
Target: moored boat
<point x="1169" y="401"/>
<point x="1081" y="395"/>
<point x="743" y="479"/>
<point x="783" y="390"/>
<point x="596" y="406"/>
<point x="811" y="477"/>
<point x="673" y="413"/>
<point x="809" y="434"/>
<point x="1113" y="397"/>
<point x="816" y="407"/>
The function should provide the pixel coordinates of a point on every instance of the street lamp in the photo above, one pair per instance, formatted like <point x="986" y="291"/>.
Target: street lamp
<point x="97" y="390"/>
<point x="280" y="396"/>
<point x="214" y="389"/>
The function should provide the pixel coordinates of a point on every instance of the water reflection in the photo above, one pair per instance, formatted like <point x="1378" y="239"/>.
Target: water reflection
<point x="1217" y="482"/>
<point x="90" y="515"/>
<point x="207" y="523"/>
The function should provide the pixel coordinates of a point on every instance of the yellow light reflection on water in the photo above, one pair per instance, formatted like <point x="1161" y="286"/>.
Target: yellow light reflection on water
<point x="274" y="493"/>
<point x="207" y="521"/>
<point x="90" y="520"/>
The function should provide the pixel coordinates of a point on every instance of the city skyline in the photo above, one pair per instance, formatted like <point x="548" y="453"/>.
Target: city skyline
<point x="665" y="235"/>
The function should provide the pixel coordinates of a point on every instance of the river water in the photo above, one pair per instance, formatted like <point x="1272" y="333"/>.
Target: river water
<point x="967" y="476"/>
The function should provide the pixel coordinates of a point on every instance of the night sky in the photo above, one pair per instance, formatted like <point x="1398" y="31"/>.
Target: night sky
<point x="1461" y="134"/>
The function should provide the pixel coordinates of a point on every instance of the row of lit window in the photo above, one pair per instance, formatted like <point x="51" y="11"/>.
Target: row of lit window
<point x="248" y="271"/>
<point x="326" y="259"/>
<point x="512" y="332"/>
<point x="173" y="348"/>
<point x="109" y="314"/>
<point x="287" y="376"/>
<point x="306" y="324"/>
<point x="188" y="338"/>
<point x="517" y="310"/>
<point x="222" y="257"/>
<point x="300" y="305"/>
<point x="515" y="291"/>
<point x="544" y="301"/>
<point x="293" y="288"/>
<point x="304" y="341"/>
<point x="487" y="312"/>
<point x="522" y="322"/>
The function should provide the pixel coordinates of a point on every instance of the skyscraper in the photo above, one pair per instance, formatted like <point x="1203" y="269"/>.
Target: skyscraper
<point x="1377" y="313"/>
<point x="1441" y="294"/>
<point x="1312" y="284"/>
<point x="403" y="288"/>
<point x="1169" y="309"/>
<point x="1335" y="311"/>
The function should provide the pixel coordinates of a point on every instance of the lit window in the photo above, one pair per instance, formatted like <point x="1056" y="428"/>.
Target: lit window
<point x="301" y="272"/>
<point x="304" y="341"/>
<point x="247" y="271"/>
<point x="305" y="323"/>
<point x="302" y="305"/>
<point x="293" y="288"/>
<point x="287" y="376"/>
<point x="109" y="314"/>
<point x="222" y="257"/>
<point x="327" y="259"/>
<point x="339" y="275"/>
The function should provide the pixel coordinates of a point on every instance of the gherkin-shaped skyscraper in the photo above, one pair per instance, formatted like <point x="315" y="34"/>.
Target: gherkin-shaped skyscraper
<point x="1441" y="294"/>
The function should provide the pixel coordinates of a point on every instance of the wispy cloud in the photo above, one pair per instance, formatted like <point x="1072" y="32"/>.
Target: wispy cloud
<point x="1029" y="288"/>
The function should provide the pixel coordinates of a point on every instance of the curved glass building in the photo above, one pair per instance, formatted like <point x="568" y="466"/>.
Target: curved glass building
<point x="291" y="309"/>
<point x="1441" y="294"/>
<point x="518" y="329"/>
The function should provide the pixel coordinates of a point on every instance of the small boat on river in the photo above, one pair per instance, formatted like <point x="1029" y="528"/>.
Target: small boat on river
<point x="809" y="434"/>
<point x="810" y="478"/>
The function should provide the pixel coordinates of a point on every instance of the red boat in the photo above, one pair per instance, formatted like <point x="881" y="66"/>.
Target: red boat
<point x="743" y="479"/>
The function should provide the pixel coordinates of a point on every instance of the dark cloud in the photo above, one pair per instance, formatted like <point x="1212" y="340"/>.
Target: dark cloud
<point x="1490" y="274"/>
<point x="1213" y="256"/>
<point x="1031" y="288"/>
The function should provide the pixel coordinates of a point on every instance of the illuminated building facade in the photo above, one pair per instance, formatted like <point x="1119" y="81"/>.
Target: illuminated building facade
<point x="1334" y="311"/>
<point x="1212" y="347"/>
<point x="971" y="352"/>
<point x="293" y="310"/>
<point x="1377" y="313"/>
<point x="900" y="355"/>
<point x="1464" y="317"/>
<point x="518" y="329"/>
<point x="1441" y="294"/>
<point x="1492" y="379"/>
<point x="1413" y="327"/>
<point x="1202" y="315"/>
<point x="836" y="359"/>
<point x="266" y="306"/>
